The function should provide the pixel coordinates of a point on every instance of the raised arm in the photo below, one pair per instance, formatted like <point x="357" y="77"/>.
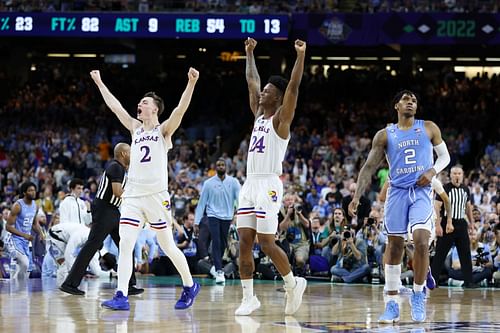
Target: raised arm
<point x="253" y="79"/>
<point x="287" y="110"/>
<point x="169" y="126"/>
<point x="114" y="104"/>
<point x="376" y="155"/>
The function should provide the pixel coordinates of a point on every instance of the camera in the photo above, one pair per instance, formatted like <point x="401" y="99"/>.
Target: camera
<point x="370" y="221"/>
<point x="346" y="234"/>
<point x="481" y="256"/>
<point x="298" y="208"/>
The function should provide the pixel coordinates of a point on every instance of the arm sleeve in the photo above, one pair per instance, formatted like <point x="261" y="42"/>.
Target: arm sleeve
<point x="200" y="208"/>
<point x="443" y="157"/>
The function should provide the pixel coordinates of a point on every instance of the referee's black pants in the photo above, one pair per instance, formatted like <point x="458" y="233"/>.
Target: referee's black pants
<point x="105" y="221"/>
<point x="459" y="237"/>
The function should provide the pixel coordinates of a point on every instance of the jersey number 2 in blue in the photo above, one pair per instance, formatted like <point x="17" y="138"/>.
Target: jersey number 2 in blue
<point x="146" y="157"/>
<point x="257" y="144"/>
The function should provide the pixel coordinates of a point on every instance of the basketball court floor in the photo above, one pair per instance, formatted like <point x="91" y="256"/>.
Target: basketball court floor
<point x="38" y="306"/>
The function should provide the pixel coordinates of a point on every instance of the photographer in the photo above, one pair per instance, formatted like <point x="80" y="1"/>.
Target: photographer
<point x="327" y="244"/>
<point x="352" y="264"/>
<point x="495" y="253"/>
<point x="295" y="226"/>
<point x="482" y="262"/>
<point x="374" y="238"/>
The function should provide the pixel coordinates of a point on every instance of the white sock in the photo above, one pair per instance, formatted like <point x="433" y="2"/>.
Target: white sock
<point x="395" y="298"/>
<point x="418" y="287"/>
<point x="128" y="236"/>
<point x="247" y="286"/>
<point x="392" y="277"/>
<point x="289" y="280"/>
<point x="166" y="240"/>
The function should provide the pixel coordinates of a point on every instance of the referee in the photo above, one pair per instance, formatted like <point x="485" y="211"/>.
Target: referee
<point x="105" y="220"/>
<point x="460" y="207"/>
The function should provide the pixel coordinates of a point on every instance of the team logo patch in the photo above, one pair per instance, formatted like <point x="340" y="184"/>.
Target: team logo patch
<point x="273" y="195"/>
<point x="166" y="204"/>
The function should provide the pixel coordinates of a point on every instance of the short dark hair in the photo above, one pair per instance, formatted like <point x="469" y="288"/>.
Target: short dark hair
<point x="74" y="182"/>
<point x="400" y="94"/>
<point x="279" y="82"/>
<point x="158" y="101"/>
<point x="25" y="186"/>
<point x="108" y="262"/>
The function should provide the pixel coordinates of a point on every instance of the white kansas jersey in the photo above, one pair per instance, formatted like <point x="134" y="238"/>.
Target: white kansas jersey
<point x="266" y="150"/>
<point x="148" y="171"/>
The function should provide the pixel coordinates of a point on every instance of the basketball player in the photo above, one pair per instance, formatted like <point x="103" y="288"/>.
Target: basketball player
<point x="66" y="239"/>
<point x="105" y="221"/>
<point x="19" y="223"/>
<point x="261" y="195"/>
<point x="408" y="146"/>
<point x="436" y="229"/>
<point x="146" y="197"/>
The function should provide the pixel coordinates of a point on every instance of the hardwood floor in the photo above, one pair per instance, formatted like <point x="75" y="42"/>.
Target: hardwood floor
<point x="38" y="306"/>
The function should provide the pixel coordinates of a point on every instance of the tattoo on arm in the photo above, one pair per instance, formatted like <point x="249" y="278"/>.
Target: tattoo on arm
<point x="375" y="156"/>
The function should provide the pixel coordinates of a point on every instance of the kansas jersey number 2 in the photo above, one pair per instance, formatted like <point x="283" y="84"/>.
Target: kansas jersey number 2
<point x="146" y="157"/>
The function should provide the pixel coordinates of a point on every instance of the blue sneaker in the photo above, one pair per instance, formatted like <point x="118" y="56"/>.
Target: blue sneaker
<point x="119" y="302"/>
<point x="430" y="283"/>
<point x="417" y="304"/>
<point x="187" y="297"/>
<point x="391" y="314"/>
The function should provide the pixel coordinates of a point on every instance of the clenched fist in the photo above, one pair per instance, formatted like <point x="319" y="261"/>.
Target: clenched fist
<point x="300" y="46"/>
<point x="95" y="75"/>
<point x="193" y="74"/>
<point x="250" y="44"/>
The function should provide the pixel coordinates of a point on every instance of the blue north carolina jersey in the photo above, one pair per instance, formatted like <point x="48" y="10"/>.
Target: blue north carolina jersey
<point x="24" y="220"/>
<point x="409" y="154"/>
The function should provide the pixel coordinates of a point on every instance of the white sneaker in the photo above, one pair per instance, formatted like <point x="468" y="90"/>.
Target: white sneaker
<point x="294" y="296"/>
<point x="455" y="283"/>
<point x="213" y="272"/>
<point x="248" y="305"/>
<point x="219" y="277"/>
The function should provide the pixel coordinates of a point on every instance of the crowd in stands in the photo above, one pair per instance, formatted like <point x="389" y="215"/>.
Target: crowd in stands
<point x="256" y="7"/>
<point x="56" y="128"/>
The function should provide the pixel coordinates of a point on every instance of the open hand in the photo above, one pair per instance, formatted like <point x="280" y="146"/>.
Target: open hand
<point x="353" y="207"/>
<point x="426" y="178"/>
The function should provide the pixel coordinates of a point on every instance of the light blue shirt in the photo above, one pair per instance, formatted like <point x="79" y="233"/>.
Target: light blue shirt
<point x="218" y="198"/>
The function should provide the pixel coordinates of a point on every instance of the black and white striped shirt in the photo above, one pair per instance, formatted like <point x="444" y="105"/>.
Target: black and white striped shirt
<point x="459" y="196"/>
<point x="114" y="173"/>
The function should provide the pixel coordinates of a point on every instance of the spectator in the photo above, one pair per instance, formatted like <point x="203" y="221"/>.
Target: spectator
<point x="351" y="265"/>
<point x="218" y="200"/>
<point x="72" y="208"/>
